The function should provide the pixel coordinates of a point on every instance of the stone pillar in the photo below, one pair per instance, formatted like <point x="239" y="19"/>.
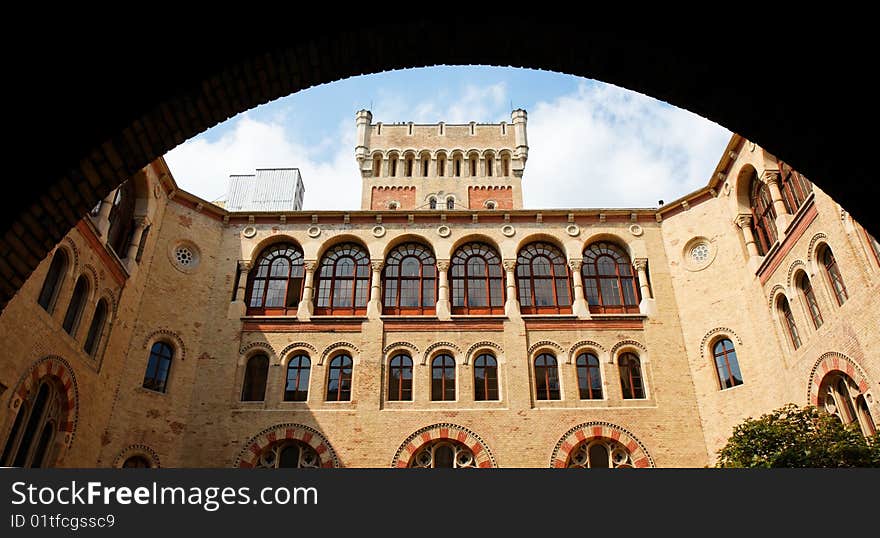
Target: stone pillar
<point x="103" y="218"/>
<point x="641" y="265"/>
<point x="443" y="306"/>
<point x="579" y="306"/>
<point x="140" y="223"/>
<point x="783" y="218"/>
<point x="307" y="305"/>
<point x="238" y="308"/>
<point x="511" y="305"/>
<point x="744" y="221"/>
<point x="374" y="306"/>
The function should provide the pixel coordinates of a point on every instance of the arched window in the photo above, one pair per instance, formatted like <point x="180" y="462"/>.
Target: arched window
<point x="485" y="378"/>
<point x="443" y="378"/>
<point x="392" y="166"/>
<point x="296" y="387"/>
<point x="794" y="188"/>
<point x="255" y="374"/>
<point x="542" y="280"/>
<point x="377" y="166"/>
<point x="31" y="441"/>
<point x="122" y="219"/>
<point x="288" y="454"/>
<point x="158" y="367"/>
<point x="546" y="377"/>
<point x="832" y="271"/>
<point x="840" y="396"/>
<point x="339" y="379"/>
<point x="726" y="364"/>
<point x="425" y="162"/>
<point x="52" y="284"/>
<point x="457" y="164"/>
<point x="441" y="165"/>
<point x="589" y="377"/>
<point x="450" y="203"/>
<point x="610" y="284"/>
<point x="477" y="280"/>
<point x="77" y="303"/>
<point x="276" y="282"/>
<point x="489" y="166"/>
<point x="409" y="165"/>
<point x="96" y="328"/>
<point x="788" y="321"/>
<point x="432" y="203"/>
<point x="505" y="165"/>
<point x="444" y="454"/>
<point x="473" y="161"/>
<point x="763" y="215"/>
<point x="343" y="281"/>
<point x="136" y="462"/>
<point x="400" y="373"/>
<point x="410" y="279"/>
<point x="599" y="453"/>
<point x="630" y="376"/>
<point x="803" y="282"/>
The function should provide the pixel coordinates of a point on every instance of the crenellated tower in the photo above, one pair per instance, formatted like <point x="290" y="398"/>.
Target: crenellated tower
<point x="441" y="166"/>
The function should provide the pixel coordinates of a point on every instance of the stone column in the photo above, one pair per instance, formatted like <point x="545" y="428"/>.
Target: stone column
<point x="307" y="305"/>
<point x="103" y="218"/>
<point x="744" y="221"/>
<point x="443" y="307"/>
<point x="579" y="306"/>
<point x="783" y="218"/>
<point x="244" y="267"/>
<point x="641" y="265"/>
<point x="140" y="223"/>
<point x="511" y="305"/>
<point x="374" y="306"/>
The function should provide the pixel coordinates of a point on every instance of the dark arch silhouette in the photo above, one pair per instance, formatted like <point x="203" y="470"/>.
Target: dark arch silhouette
<point x="109" y="100"/>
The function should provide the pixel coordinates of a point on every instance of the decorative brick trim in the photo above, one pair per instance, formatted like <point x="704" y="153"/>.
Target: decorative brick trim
<point x="482" y="454"/>
<point x="159" y="334"/>
<point x="583" y="344"/>
<point x="440" y="345"/>
<point x="396" y="345"/>
<point x="295" y="346"/>
<point x="624" y="343"/>
<point x="599" y="429"/>
<point x="481" y="345"/>
<point x="60" y="369"/>
<point x="265" y="346"/>
<point x="711" y="335"/>
<point x="545" y="343"/>
<point x="834" y="362"/>
<point x="791" y="270"/>
<point x="137" y="450"/>
<point x="774" y="292"/>
<point x="93" y="273"/>
<point x="108" y="294"/>
<point x="73" y="254"/>
<point x="253" y="447"/>
<point x="811" y="250"/>
<point x="337" y="345"/>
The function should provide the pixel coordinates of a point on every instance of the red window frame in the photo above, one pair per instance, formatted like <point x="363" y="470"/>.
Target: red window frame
<point x="301" y="366"/>
<point x="462" y="283"/>
<point x="341" y="370"/>
<point x="726" y="361"/>
<point x="598" y="280"/>
<point x="263" y="273"/>
<point x="810" y="297"/>
<point x="255" y="375"/>
<point x="631" y="383"/>
<point x="442" y="378"/>
<point x="486" y="384"/>
<point x="400" y="369"/>
<point x="794" y="187"/>
<point x="328" y="278"/>
<point x="528" y="279"/>
<point x="763" y="215"/>
<point x="588" y="371"/>
<point x="393" y="280"/>
<point x="791" y="326"/>
<point x="835" y="279"/>
<point x="547" y="377"/>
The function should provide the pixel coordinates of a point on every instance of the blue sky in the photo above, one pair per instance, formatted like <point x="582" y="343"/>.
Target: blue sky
<point x="591" y="144"/>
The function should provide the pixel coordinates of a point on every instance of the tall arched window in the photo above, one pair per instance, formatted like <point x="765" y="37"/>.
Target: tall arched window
<point x="409" y="165"/>
<point x="839" y="395"/>
<point x="276" y="281"/>
<point x="546" y="377"/>
<point x="377" y="166"/>
<point x="288" y="454"/>
<point x="122" y="219"/>
<point x="410" y="279"/>
<point x="473" y="165"/>
<point x="794" y="187"/>
<point x="832" y="271"/>
<point x="255" y="374"/>
<point x="589" y="377"/>
<point x="457" y="165"/>
<point x="343" y="280"/>
<point x="443" y="378"/>
<point x="77" y="303"/>
<point x="339" y="379"/>
<point x="477" y="280"/>
<point x="400" y="373"/>
<point x="542" y="280"/>
<point x="803" y="282"/>
<point x="450" y="203"/>
<point x="392" y="166"/>
<point x="296" y="387"/>
<point x="788" y="321"/>
<point x="610" y="284"/>
<point x="441" y="165"/>
<point x="158" y="367"/>
<point x="52" y="284"/>
<point x="631" y="376"/>
<point x="96" y="328"/>
<point x="31" y="441"/>
<point x="505" y="165"/>
<point x="432" y="203"/>
<point x="485" y="378"/>
<point x="763" y="215"/>
<point x="726" y="364"/>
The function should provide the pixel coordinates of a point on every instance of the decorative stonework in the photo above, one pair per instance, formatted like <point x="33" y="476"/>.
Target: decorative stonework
<point x="248" y="456"/>
<point x="480" y="346"/>
<point x="791" y="270"/>
<point x="73" y="254"/>
<point x="698" y="253"/>
<point x="93" y="277"/>
<point x="443" y="265"/>
<point x="313" y="231"/>
<point x="184" y="255"/>
<point x="295" y="346"/>
<point x="59" y="369"/>
<point x="744" y="221"/>
<point x="397" y="345"/>
<point x="444" y="231"/>
<point x="249" y="231"/>
<point x="429" y="351"/>
<point x="582" y="345"/>
<point x="264" y="346"/>
<point x="481" y="452"/>
<point x="377" y="265"/>
<point x="137" y="450"/>
<point x="167" y="334"/>
<point x="831" y="362"/>
<point x="599" y="429"/>
<point x="811" y="250"/>
<point x="573" y="230"/>
<point x="774" y="293"/>
<point x="108" y="295"/>
<point x="636" y="230"/>
<point x="575" y="265"/>
<point x="508" y="230"/>
<point x="344" y="345"/>
<point x="378" y="230"/>
<point x="713" y="335"/>
<point x="545" y="343"/>
<point x="624" y="343"/>
<point x="509" y="264"/>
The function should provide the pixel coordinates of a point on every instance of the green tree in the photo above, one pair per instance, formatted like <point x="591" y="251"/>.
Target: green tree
<point x="799" y="437"/>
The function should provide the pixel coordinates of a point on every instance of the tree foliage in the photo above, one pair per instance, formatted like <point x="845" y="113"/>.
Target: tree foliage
<point x="799" y="437"/>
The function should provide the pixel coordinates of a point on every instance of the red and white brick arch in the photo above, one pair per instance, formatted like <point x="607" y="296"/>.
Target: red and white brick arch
<point x="255" y="446"/>
<point x="61" y="371"/>
<point x="599" y="430"/>
<point x="436" y="432"/>
<point x="834" y="362"/>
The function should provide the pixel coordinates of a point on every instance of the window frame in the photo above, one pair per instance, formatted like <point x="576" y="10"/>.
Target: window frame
<point x="404" y="384"/>
<point x="491" y="258"/>
<point x="301" y="378"/>
<point x="526" y="278"/>
<point x="159" y="359"/>
<point x="296" y="263"/>
<point x="394" y="262"/>
<point x="833" y="274"/>
<point x="788" y="321"/>
<point x="593" y="290"/>
<point x="447" y="389"/>
<point x="548" y="373"/>
<point x="57" y="272"/>
<point x="806" y="289"/>
<point x="587" y="368"/>
<point x="340" y="367"/>
<point x="486" y="379"/>
<point x="627" y="382"/>
<point x="247" y="382"/>
<point x="331" y="259"/>
<point x="76" y="306"/>
<point x="726" y="354"/>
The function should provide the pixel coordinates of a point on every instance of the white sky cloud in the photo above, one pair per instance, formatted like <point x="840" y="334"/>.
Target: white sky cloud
<point x="600" y="146"/>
